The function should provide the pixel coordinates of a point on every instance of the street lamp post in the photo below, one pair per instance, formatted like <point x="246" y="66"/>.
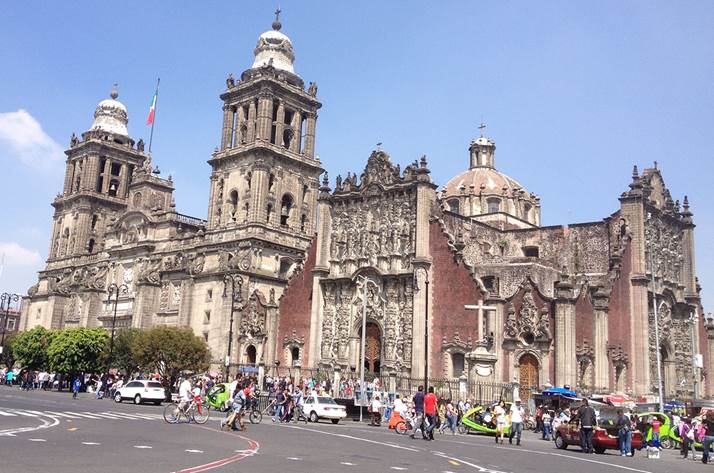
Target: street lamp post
<point x="114" y="290"/>
<point x="6" y="298"/>
<point x="426" y="321"/>
<point x="363" y="392"/>
<point x="693" y="321"/>
<point x="236" y="283"/>
<point x="658" y="356"/>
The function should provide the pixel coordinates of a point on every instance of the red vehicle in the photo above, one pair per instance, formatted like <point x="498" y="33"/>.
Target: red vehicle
<point x="604" y="437"/>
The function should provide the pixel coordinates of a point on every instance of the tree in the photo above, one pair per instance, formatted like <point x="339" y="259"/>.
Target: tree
<point x="75" y="350"/>
<point x="8" y="357"/>
<point x="30" y="347"/>
<point x="124" y="356"/>
<point x="171" y="350"/>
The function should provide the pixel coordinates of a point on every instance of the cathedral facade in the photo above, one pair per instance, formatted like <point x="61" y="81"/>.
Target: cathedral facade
<point x="461" y="279"/>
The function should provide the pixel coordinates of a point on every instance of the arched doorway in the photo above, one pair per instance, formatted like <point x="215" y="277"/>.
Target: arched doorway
<point x="250" y="355"/>
<point x="528" y="376"/>
<point x="373" y="348"/>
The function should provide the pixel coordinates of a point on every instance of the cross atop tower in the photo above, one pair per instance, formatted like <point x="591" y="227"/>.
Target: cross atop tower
<point x="481" y="128"/>
<point x="276" y="24"/>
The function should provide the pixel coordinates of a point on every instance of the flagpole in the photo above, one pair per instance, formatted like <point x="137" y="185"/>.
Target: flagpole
<point x="151" y="136"/>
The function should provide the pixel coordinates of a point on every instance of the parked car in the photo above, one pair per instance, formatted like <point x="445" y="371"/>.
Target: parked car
<point x="604" y="437"/>
<point x="323" y="407"/>
<point x="140" y="391"/>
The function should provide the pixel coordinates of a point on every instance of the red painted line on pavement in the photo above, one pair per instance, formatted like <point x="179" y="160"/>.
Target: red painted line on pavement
<point x="252" y="444"/>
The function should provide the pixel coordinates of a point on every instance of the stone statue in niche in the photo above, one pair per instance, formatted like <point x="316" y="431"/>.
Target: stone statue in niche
<point x="511" y="328"/>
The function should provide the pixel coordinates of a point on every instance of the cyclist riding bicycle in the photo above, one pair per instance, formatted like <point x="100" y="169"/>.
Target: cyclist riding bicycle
<point x="185" y="394"/>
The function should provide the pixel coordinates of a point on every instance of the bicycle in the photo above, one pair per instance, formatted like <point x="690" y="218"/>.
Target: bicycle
<point x="256" y="415"/>
<point x="196" y="412"/>
<point x="407" y="425"/>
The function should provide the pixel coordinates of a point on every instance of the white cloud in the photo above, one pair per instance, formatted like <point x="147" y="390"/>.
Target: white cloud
<point x="20" y="267"/>
<point x="25" y="140"/>
<point x="13" y="254"/>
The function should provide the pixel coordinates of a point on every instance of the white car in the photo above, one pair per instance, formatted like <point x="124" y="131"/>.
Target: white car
<point x="140" y="391"/>
<point x="323" y="407"/>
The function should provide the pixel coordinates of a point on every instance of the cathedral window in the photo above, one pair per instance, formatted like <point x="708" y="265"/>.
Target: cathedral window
<point x="113" y="187"/>
<point x="234" y="205"/>
<point x="302" y="134"/>
<point x="526" y="212"/>
<point x="207" y="317"/>
<point x="489" y="283"/>
<point x="494" y="205"/>
<point x="209" y="298"/>
<point x="205" y="337"/>
<point x="247" y="208"/>
<point x="303" y="223"/>
<point x="269" y="213"/>
<point x="94" y="222"/>
<point x="137" y="200"/>
<point x="90" y="246"/>
<point x="453" y="206"/>
<point x="271" y="182"/>
<point x="248" y="179"/>
<point x="530" y="251"/>
<point x="116" y="168"/>
<point x="295" y="356"/>
<point x="457" y="364"/>
<point x="304" y="192"/>
<point x="285" y="208"/>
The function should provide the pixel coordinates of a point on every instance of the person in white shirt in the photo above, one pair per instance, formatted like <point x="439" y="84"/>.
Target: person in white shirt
<point x="376" y="415"/>
<point x="517" y="413"/>
<point x="500" y="412"/>
<point x="185" y="393"/>
<point x="399" y="407"/>
<point x="231" y="391"/>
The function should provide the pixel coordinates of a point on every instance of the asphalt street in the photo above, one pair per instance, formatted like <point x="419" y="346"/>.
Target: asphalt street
<point x="49" y="431"/>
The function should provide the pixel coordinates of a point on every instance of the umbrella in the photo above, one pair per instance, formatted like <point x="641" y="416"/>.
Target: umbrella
<point x="559" y="391"/>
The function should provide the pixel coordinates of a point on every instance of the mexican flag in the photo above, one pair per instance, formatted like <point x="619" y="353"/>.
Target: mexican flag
<point x="152" y="108"/>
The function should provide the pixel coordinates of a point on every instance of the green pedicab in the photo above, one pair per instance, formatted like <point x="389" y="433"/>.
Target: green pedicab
<point x="667" y="432"/>
<point x="217" y="396"/>
<point x="478" y="420"/>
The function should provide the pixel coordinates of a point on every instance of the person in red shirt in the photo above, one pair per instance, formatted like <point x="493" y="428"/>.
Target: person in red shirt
<point x="430" y="412"/>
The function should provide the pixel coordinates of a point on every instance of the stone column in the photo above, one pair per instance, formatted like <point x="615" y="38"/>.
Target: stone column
<point x="272" y="343"/>
<point x="228" y="127"/>
<point x="602" y="364"/>
<point x="279" y="124"/>
<point x="68" y="177"/>
<point x="212" y="202"/>
<point x="322" y="269"/>
<point x="295" y="124"/>
<point x="565" y="362"/>
<point x="123" y="182"/>
<point x="259" y="192"/>
<point x="242" y="118"/>
<point x="265" y="111"/>
<point x="107" y="175"/>
<point x="310" y="134"/>
<point x="251" y="121"/>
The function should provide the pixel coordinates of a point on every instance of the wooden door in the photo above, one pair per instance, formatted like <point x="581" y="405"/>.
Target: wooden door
<point x="528" y="370"/>
<point x="373" y="349"/>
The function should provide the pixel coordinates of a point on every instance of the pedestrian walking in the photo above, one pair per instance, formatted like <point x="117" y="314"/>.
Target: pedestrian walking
<point x="517" y="413"/>
<point x="686" y="433"/>
<point x="500" y="412"/>
<point x="418" y="401"/>
<point x="547" y="419"/>
<point x="430" y="413"/>
<point x="76" y="386"/>
<point x="587" y="419"/>
<point x="708" y="427"/>
<point x="449" y="418"/>
<point x="624" y="433"/>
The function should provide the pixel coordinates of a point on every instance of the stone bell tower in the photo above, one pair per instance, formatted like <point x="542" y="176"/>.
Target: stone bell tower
<point x="265" y="174"/>
<point x="98" y="175"/>
<point x="97" y="178"/>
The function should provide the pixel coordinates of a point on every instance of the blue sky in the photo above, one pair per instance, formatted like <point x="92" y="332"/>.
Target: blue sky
<point x="573" y="93"/>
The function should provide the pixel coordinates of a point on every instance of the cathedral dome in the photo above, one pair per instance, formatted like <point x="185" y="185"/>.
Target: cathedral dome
<point x="482" y="179"/>
<point x="111" y="116"/>
<point x="484" y="191"/>
<point x="274" y="49"/>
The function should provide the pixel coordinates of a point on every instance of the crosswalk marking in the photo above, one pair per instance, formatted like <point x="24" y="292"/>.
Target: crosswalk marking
<point x="86" y="416"/>
<point x="62" y="414"/>
<point x="103" y="414"/>
<point x="108" y="415"/>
